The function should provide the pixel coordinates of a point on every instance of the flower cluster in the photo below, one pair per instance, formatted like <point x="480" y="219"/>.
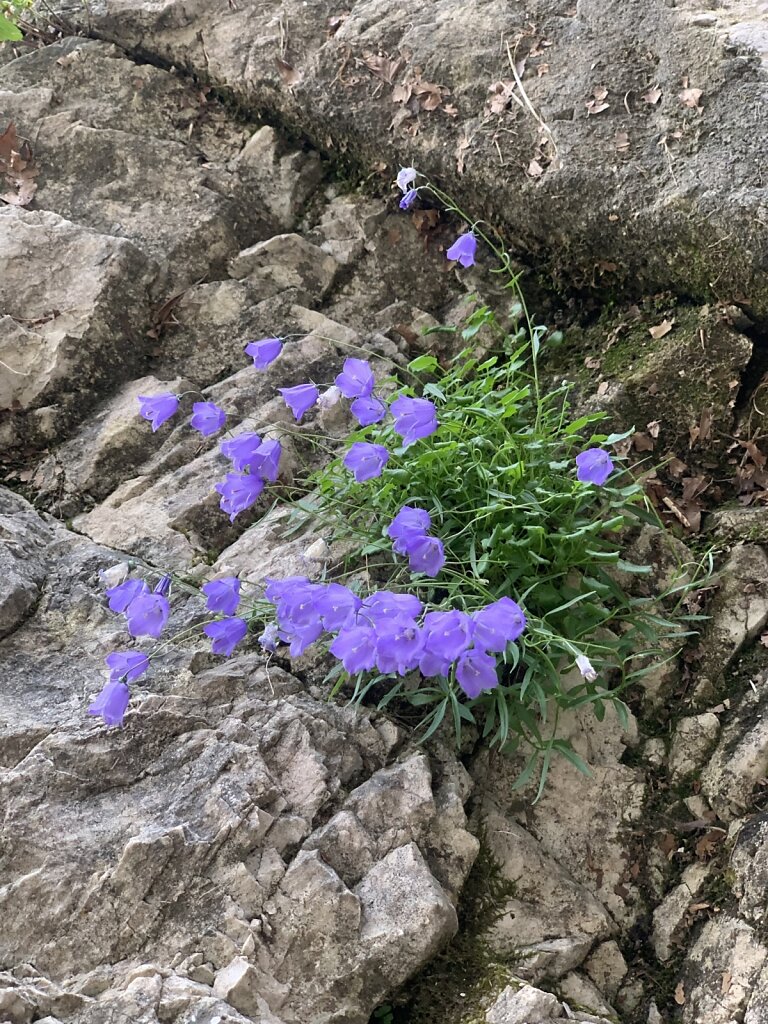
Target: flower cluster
<point x="528" y="544"/>
<point x="408" y="531"/>
<point x="147" y="612"/>
<point x="388" y="632"/>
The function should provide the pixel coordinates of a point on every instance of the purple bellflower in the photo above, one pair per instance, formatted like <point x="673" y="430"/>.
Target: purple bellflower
<point x="158" y="408"/>
<point x="226" y="634"/>
<point x="386" y="604"/>
<point x="125" y="666"/>
<point x="405" y="178"/>
<point x="222" y="595"/>
<point x="147" y="615"/>
<point x="476" y="671"/>
<point x="238" y="492"/>
<point x="409" y="199"/>
<point x="356" y="379"/>
<point x="498" y="624"/>
<point x="448" y="634"/>
<point x="163" y="585"/>
<point x="122" y="595"/>
<point x="355" y="647"/>
<point x="408" y="528"/>
<point x="414" y="418"/>
<point x="463" y="249"/>
<point x="594" y="466"/>
<point x="241" y="450"/>
<point x="207" y="417"/>
<point x="338" y="607"/>
<point x="366" y="461"/>
<point x="368" y="410"/>
<point x="266" y="460"/>
<point x="270" y="637"/>
<point x="264" y="351"/>
<point x="427" y="556"/>
<point x="399" y="645"/>
<point x="300" y="398"/>
<point x="111" y="703"/>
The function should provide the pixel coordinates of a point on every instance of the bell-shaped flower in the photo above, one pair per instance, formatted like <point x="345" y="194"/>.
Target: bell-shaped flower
<point x="594" y="466"/>
<point x="264" y="351"/>
<point x="158" y="408"/>
<point x="356" y="379"/>
<point x="366" y="461"/>
<point x="463" y="249"/>
<point x="222" y="595"/>
<point x="126" y="666"/>
<point x="414" y="418"/>
<point x="238" y="492"/>
<point x="225" y="634"/>
<point x="475" y="672"/>
<point x="498" y="624"/>
<point x="300" y="398"/>
<point x="207" y="417"/>
<point x="112" y="703"/>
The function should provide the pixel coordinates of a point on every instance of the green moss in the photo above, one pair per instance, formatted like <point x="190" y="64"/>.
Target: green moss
<point x="456" y="987"/>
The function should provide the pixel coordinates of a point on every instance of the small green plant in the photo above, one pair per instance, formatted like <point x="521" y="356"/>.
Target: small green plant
<point x="11" y="12"/>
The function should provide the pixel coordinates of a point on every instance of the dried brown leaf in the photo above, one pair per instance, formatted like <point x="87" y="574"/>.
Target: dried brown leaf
<point x="402" y="93"/>
<point x="652" y="95"/>
<point x="691" y="98"/>
<point x="661" y="329"/>
<point x="597" y="104"/>
<point x="18" y="167"/>
<point x="680" y="994"/>
<point x="288" y="73"/>
<point x="622" y="142"/>
<point x="535" y="170"/>
<point x="642" y="442"/>
<point x="383" y="67"/>
<point x="653" y="428"/>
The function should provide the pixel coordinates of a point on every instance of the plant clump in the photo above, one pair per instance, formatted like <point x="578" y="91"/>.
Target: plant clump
<point x="484" y="523"/>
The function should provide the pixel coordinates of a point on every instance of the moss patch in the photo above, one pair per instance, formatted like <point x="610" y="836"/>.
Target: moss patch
<point x="456" y="987"/>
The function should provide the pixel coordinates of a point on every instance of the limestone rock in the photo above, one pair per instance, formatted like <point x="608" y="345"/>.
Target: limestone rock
<point x="738" y="611"/>
<point x="285" y="262"/>
<point x="671" y="912"/>
<point x="526" y="1005"/>
<point x="726" y="962"/>
<point x="284" y="178"/>
<point x="75" y="305"/>
<point x="693" y="738"/>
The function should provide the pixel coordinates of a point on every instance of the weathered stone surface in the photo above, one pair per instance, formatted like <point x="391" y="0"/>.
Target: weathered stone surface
<point x="654" y="212"/>
<point x="285" y="262"/>
<point x="75" y="308"/>
<point x="724" y="965"/>
<point x="740" y="759"/>
<point x="523" y="1005"/>
<point x="739" y="609"/>
<point x="671" y="912"/>
<point x="196" y="832"/>
<point x="693" y="738"/>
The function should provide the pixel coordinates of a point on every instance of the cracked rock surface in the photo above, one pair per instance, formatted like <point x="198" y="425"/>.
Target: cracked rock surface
<point x="244" y="850"/>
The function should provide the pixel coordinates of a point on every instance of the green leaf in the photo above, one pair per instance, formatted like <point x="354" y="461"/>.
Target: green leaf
<point x="9" y="32"/>
<point x="423" y="364"/>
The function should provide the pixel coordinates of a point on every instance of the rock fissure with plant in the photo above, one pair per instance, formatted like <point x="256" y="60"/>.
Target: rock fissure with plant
<point x="244" y="848"/>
